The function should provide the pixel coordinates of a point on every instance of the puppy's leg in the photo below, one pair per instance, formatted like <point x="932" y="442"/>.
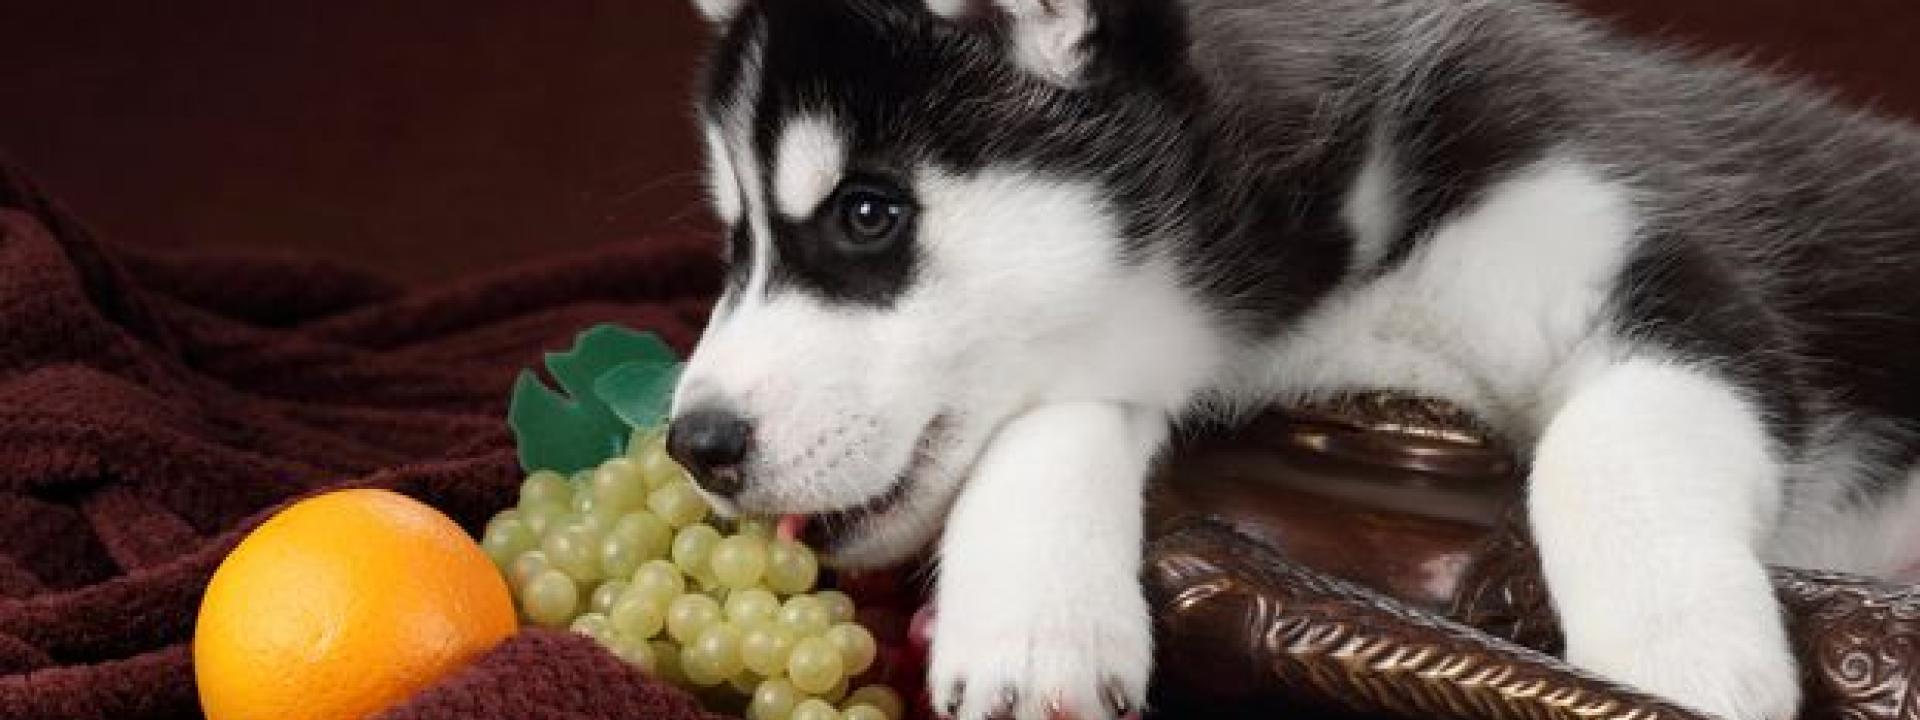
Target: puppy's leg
<point x="1652" y="491"/>
<point x="1039" y="592"/>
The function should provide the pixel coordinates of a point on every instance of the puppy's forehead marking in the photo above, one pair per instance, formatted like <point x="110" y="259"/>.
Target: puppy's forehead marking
<point x="808" y="163"/>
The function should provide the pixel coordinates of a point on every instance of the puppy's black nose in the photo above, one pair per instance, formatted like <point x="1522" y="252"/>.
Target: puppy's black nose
<point x="711" y="443"/>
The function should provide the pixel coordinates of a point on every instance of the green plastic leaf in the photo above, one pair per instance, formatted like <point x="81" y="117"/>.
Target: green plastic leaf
<point x="574" y="429"/>
<point x="639" y="392"/>
<point x="555" y="433"/>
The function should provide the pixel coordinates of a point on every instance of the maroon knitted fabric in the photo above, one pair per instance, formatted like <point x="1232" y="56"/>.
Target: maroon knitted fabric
<point x="546" y="675"/>
<point x="153" y="408"/>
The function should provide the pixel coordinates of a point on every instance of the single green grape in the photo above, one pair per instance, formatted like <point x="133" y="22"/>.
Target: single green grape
<point x="545" y="486"/>
<point x="593" y="625"/>
<point x="773" y="700"/>
<point x="527" y="567"/>
<point x="660" y="578"/>
<point x="617" y="485"/>
<point x="701" y="670"/>
<point x="511" y="514"/>
<point x="839" y="605"/>
<point x="880" y="697"/>
<point x="864" y="712"/>
<point x="677" y="503"/>
<point x="605" y="594"/>
<point x="639" y="616"/>
<point x="813" y="709"/>
<point x="693" y="548"/>
<point x="749" y="606"/>
<point x="740" y="561"/>
<point x="657" y="469"/>
<point x="791" y="567"/>
<point x="637" y="652"/>
<point x="815" y="665"/>
<point x="575" y="549"/>
<point x="544" y="515"/>
<point x="805" y="615"/>
<point x="507" y="536"/>
<point x="690" y="614"/>
<point x="765" y="648"/>
<point x="719" y="644"/>
<point x="551" y="599"/>
<point x="855" y="644"/>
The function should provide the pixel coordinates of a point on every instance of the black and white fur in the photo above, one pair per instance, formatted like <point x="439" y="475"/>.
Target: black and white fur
<point x="1691" y="290"/>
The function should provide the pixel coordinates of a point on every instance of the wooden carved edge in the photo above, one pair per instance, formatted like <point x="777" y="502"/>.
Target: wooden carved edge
<point x="1294" y="632"/>
<point x="1857" y="639"/>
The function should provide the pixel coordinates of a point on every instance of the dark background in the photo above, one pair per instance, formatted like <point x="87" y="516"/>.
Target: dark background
<point x="428" y="138"/>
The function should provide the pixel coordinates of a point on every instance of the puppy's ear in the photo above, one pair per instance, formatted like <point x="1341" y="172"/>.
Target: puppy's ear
<point x="1051" y="38"/>
<point x="718" y="11"/>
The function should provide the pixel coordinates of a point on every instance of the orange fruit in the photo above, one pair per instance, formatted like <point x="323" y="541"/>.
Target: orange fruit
<point x="342" y="605"/>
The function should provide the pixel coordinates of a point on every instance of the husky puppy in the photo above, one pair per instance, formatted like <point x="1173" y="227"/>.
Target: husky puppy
<point x="985" y="255"/>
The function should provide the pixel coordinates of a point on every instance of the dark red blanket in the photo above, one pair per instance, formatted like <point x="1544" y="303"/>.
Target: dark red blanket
<point x="153" y="408"/>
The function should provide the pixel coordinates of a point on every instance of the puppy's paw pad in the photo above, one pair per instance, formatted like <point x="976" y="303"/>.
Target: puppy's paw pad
<point x="1081" y="668"/>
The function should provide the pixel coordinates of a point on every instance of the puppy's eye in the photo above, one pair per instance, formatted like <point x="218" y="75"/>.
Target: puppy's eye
<point x="873" y="217"/>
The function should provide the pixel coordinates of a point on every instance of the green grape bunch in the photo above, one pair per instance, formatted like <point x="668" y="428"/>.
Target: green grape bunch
<point x="627" y="554"/>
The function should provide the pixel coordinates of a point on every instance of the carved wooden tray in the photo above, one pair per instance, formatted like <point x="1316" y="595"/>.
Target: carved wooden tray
<point x="1365" y="560"/>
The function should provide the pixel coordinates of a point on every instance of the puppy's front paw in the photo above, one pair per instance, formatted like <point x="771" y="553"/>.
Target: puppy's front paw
<point x="1737" y="674"/>
<point x="1012" y="653"/>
